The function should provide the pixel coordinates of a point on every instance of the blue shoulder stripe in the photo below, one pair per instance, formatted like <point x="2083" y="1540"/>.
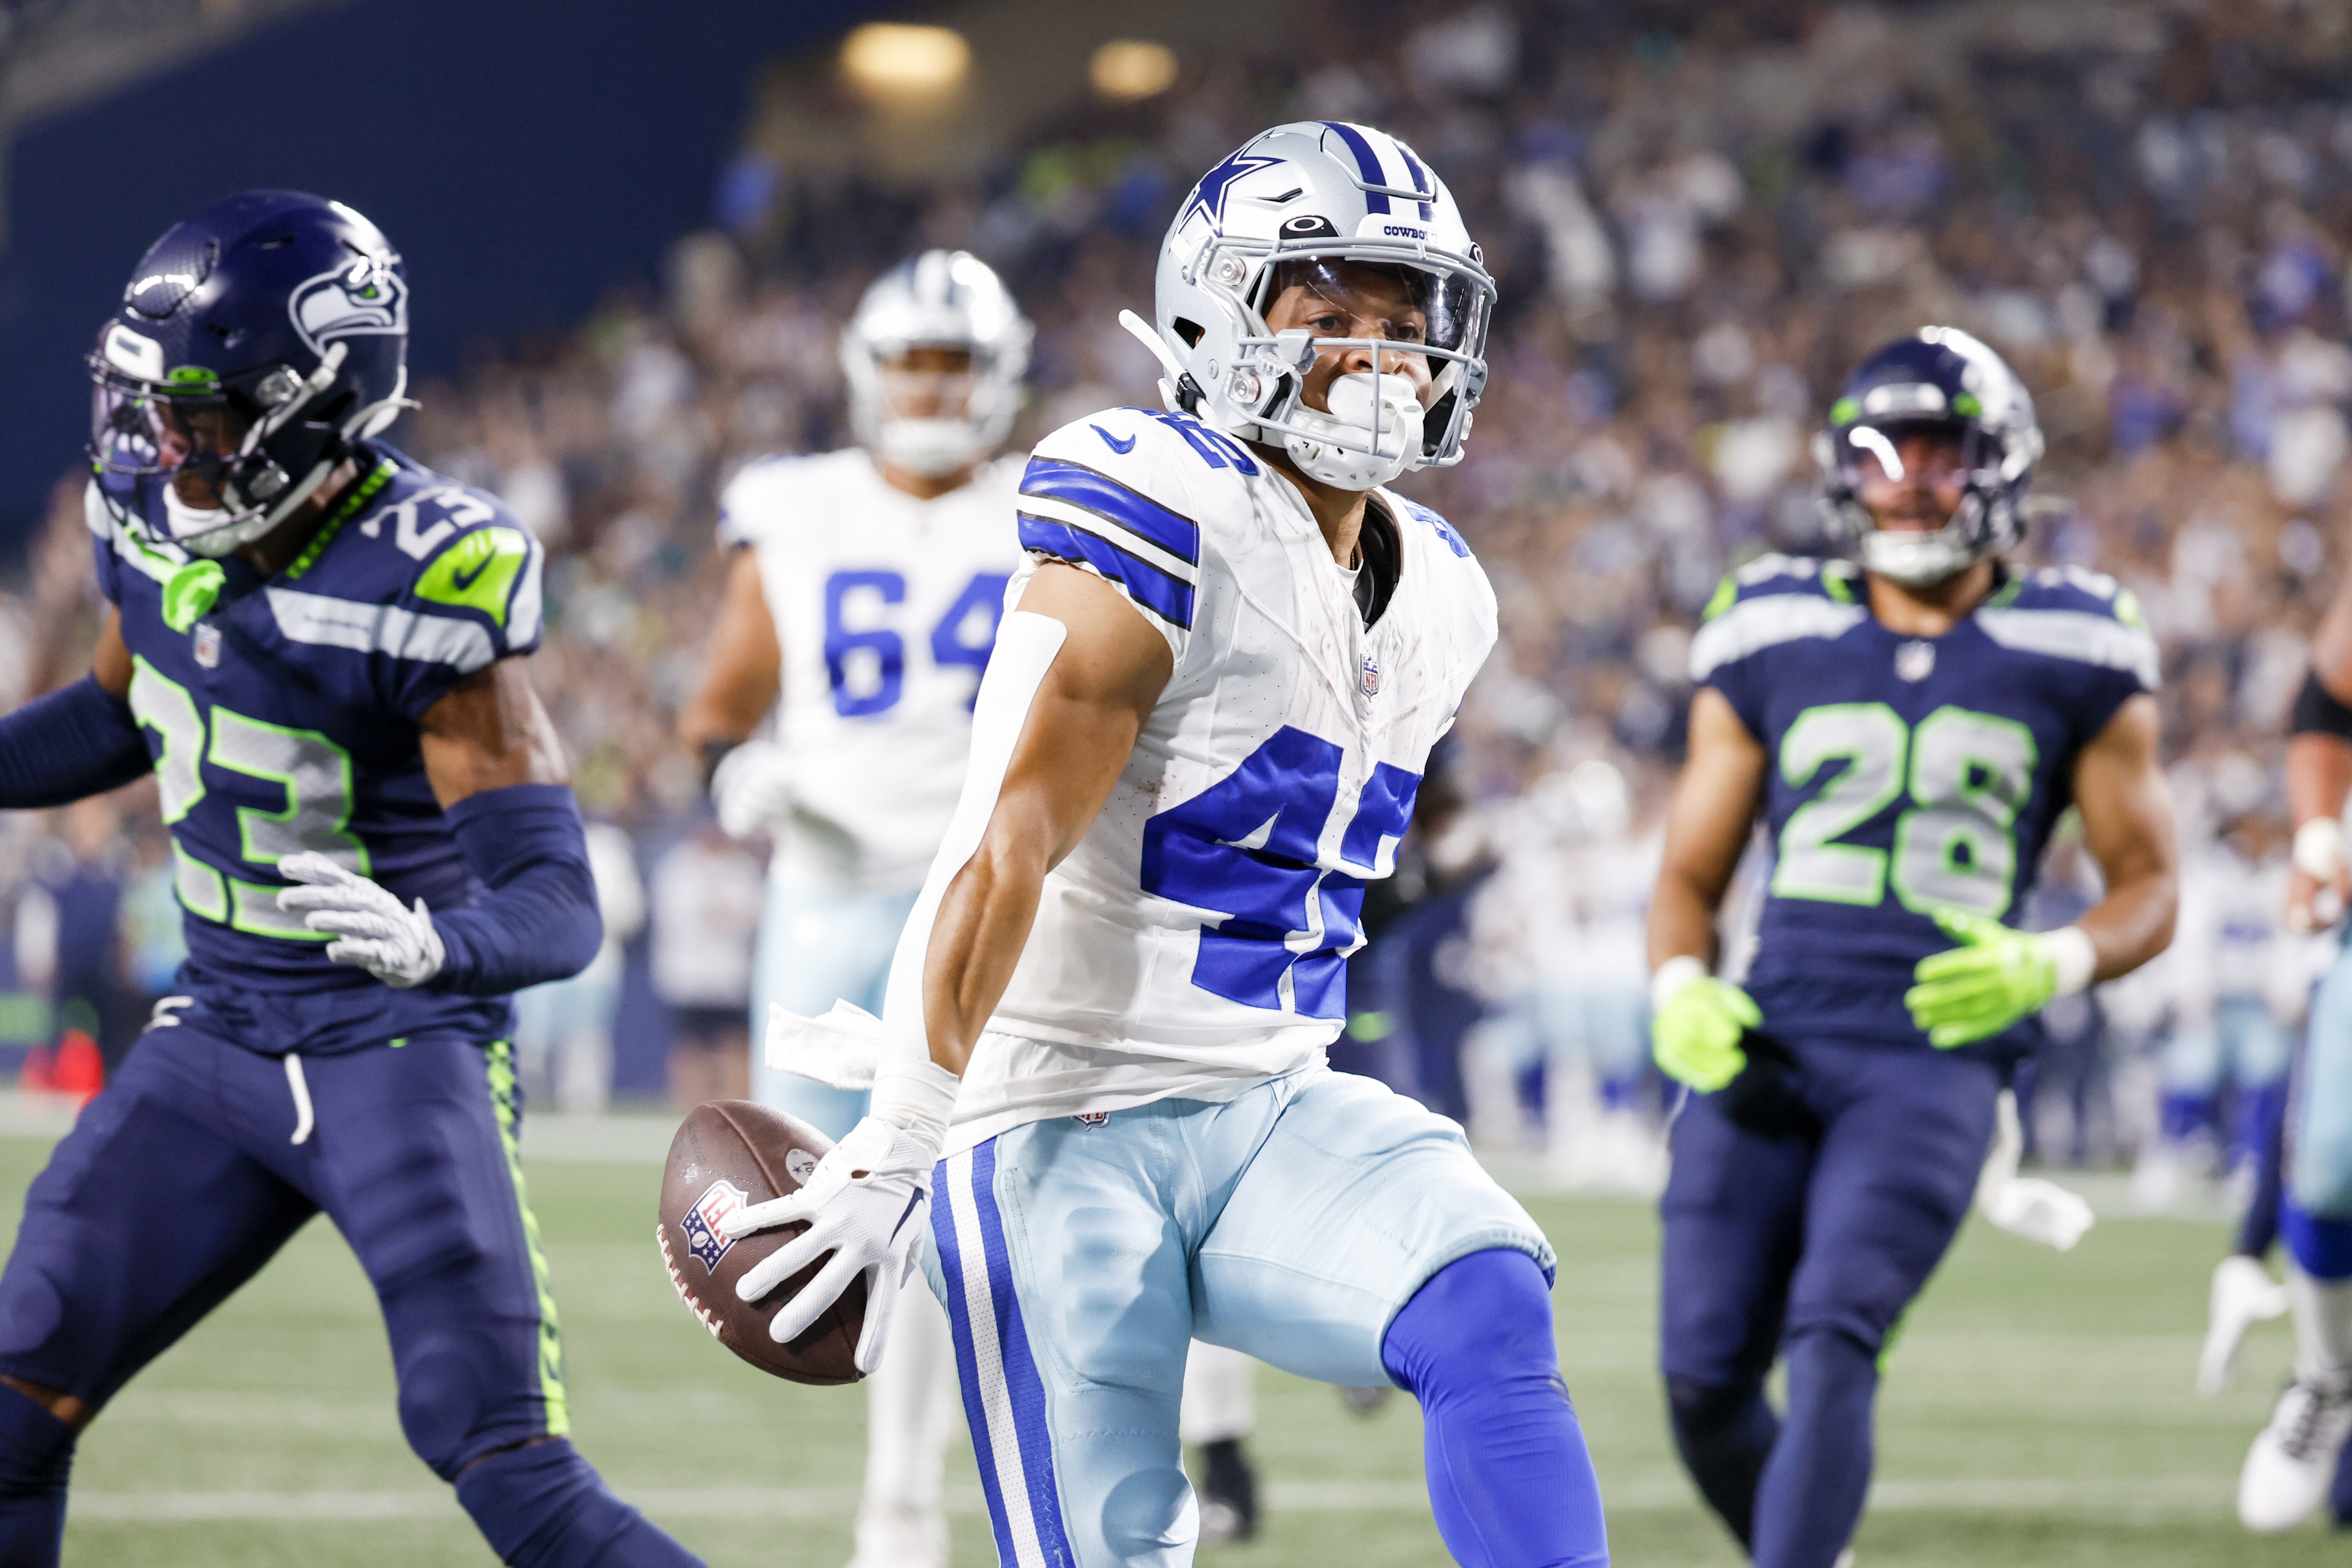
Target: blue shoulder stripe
<point x="1165" y="596"/>
<point x="1099" y="494"/>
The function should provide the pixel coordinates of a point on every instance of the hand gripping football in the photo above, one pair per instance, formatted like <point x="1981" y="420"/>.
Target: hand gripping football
<point x="729" y="1154"/>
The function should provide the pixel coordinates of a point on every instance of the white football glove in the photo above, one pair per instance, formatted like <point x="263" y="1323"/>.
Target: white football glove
<point x="867" y="1203"/>
<point x="751" y="788"/>
<point x="372" y="930"/>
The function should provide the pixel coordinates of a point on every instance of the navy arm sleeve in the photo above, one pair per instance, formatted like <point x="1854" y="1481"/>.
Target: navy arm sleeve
<point x="78" y="741"/>
<point x="540" y="920"/>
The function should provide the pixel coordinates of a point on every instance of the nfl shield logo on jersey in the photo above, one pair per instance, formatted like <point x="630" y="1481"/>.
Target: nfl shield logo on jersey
<point x="1915" y="661"/>
<point x="207" y="645"/>
<point x="1371" y="681"/>
<point x="703" y="1237"/>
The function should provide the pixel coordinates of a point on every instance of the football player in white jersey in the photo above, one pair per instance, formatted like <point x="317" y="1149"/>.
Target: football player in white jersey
<point x="1229" y="653"/>
<point x="864" y="593"/>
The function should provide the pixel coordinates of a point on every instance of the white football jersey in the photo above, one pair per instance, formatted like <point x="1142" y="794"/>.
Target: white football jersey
<point x="1195" y="941"/>
<point x="885" y="608"/>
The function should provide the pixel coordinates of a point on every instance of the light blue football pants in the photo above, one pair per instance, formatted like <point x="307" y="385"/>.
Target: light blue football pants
<point x="817" y="948"/>
<point x="1076" y="1258"/>
<point x="2319" y="1125"/>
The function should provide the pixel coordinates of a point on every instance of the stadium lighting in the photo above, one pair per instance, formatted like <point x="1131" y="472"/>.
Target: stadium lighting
<point x="904" y="62"/>
<point x="1128" y="70"/>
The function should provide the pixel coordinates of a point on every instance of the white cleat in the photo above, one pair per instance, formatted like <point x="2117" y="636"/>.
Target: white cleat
<point x="2292" y="1462"/>
<point x="2243" y="1294"/>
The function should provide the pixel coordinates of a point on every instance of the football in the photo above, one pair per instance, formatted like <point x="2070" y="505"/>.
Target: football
<point x="727" y="1155"/>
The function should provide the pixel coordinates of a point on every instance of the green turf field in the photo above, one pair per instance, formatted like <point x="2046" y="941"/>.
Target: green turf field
<point x="2037" y="1412"/>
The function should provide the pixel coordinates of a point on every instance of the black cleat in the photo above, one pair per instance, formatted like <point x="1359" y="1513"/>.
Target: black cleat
<point x="1228" y="1494"/>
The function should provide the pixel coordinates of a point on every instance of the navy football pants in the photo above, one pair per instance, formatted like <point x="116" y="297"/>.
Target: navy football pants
<point x="1807" y="1240"/>
<point x="181" y="1179"/>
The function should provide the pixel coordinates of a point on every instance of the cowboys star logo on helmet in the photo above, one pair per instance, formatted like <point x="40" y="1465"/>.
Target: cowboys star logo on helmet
<point x="1320" y="194"/>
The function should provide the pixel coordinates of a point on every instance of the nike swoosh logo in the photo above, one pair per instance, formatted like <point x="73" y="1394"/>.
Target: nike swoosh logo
<point x="1113" y="442"/>
<point x="463" y="580"/>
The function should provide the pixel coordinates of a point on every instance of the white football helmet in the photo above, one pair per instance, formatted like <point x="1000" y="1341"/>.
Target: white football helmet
<point x="1320" y="190"/>
<point x="942" y="298"/>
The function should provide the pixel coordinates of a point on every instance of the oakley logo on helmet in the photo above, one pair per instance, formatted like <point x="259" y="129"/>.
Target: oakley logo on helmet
<point x="133" y="355"/>
<point x="363" y="299"/>
<point x="1308" y="226"/>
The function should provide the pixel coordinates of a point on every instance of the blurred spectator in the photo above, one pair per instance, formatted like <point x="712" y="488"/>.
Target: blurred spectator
<point x="69" y="944"/>
<point x="563" y="1030"/>
<point x="707" y="897"/>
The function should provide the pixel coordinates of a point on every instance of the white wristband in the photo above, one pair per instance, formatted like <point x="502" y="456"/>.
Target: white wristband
<point x="1672" y="975"/>
<point x="919" y="1097"/>
<point x="2319" y="848"/>
<point x="2075" y="958"/>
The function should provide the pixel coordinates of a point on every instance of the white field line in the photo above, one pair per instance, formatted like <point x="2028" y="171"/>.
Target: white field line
<point x="1653" y="1493"/>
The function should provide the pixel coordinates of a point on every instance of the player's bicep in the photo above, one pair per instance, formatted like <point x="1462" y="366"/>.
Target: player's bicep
<point x="490" y="732"/>
<point x="2118" y="787"/>
<point x="743" y="671"/>
<point x="1715" y="800"/>
<point x="1095" y="698"/>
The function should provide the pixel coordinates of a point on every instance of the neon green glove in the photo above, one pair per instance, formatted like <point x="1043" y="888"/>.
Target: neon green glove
<point x="1994" y="977"/>
<point x="1695" y="1031"/>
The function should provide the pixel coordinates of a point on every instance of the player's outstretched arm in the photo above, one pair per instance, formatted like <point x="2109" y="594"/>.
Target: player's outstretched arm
<point x="496" y="766"/>
<point x="79" y="740"/>
<point x="1997" y="974"/>
<point x="1082" y="727"/>
<point x="742" y="671"/>
<point x="1075" y="677"/>
<point x="1697" y="1019"/>
<point x="2319" y="774"/>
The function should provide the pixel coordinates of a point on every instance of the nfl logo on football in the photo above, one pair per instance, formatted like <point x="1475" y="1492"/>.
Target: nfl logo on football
<point x="1371" y="681"/>
<point x="703" y="1237"/>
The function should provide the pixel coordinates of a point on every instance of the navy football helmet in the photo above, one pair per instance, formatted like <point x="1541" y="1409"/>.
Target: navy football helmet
<point x="1940" y="377"/>
<point x="287" y="312"/>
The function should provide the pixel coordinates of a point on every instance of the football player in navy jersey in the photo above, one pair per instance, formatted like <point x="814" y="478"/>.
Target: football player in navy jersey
<point x="1910" y="722"/>
<point x="316" y="646"/>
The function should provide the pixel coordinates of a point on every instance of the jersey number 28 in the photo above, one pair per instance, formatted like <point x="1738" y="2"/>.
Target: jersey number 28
<point x="1967" y="775"/>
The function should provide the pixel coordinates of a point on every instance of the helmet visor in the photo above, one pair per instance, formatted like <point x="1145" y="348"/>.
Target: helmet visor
<point x="1393" y="301"/>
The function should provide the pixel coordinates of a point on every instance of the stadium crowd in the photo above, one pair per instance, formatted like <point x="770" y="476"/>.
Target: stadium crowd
<point x="2140" y="205"/>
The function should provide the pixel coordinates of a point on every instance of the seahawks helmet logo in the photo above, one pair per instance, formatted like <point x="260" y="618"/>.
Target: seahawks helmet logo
<point x="366" y="297"/>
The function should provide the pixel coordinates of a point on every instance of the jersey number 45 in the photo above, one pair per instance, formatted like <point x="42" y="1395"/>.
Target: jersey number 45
<point x="1250" y="845"/>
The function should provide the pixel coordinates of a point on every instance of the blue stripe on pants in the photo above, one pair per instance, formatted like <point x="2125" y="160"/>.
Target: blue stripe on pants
<point x="1028" y="1391"/>
<point x="975" y="1414"/>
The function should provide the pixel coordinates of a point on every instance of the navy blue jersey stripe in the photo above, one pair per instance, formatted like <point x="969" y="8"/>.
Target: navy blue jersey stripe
<point x="1113" y="502"/>
<point x="1368" y="165"/>
<point x="1155" y="590"/>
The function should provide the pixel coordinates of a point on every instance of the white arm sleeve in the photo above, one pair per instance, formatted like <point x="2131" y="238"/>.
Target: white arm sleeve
<point x="909" y="1088"/>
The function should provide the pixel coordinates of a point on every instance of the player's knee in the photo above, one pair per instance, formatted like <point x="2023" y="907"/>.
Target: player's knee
<point x="1701" y="1410"/>
<point x="1480" y="1317"/>
<point x="446" y="1412"/>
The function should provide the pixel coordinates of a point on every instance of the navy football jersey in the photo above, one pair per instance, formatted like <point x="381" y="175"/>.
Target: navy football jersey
<point x="285" y="718"/>
<point x="1905" y="774"/>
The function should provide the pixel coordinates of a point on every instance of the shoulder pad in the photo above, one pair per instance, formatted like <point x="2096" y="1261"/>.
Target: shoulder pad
<point x="748" y="505"/>
<point x="472" y="555"/>
<point x="2071" y="613"/>
<point x="1412" y="511"/>
<point x="1776" y="599"/>
<point x="1117" y="492"/>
